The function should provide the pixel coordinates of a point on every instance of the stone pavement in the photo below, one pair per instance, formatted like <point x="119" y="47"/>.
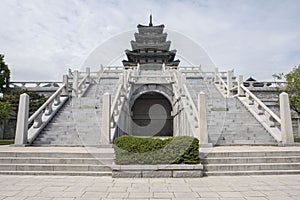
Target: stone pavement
<point x="224" y="188"/>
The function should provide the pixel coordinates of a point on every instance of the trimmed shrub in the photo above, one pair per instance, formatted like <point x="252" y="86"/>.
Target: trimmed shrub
<point x="155" y="150"/>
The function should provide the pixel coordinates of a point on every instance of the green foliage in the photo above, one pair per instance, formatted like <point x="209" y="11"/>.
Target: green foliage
<point x="292" y="87"/>
<point x="4" y="110"/>
<point x="155" y="150"/>
<point x="297" y="140"/>
<point x="12" y="99"/>
<point x="4" y="75"/>
<point x="5" y="142"/>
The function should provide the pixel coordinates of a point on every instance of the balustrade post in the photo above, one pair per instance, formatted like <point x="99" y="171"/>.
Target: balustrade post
<point x="229" y="82"/>
<point x="22" y="121"/>
<point x="65" y="90"/>
<point x="202" y="123"/>
<point x="287" y="136"/>
<point x="75" y="84"/>
<point x="106" y="118"/>
<point x="216" y="74"/>
<point x="88" y="72"/>
<point x="240" y="83"/>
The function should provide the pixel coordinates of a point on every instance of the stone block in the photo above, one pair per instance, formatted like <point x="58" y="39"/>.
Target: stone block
<point x="127" y="174"/>
<point x="157" y="174"/>
<point x="188" y="174"/>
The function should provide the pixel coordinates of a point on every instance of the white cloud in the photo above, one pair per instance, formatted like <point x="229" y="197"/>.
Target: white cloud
<point x="41" y="39"/>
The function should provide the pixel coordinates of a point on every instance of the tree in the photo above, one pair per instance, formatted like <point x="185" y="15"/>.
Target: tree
<point x="292" y="87"/>
<point x="4" y="75"/>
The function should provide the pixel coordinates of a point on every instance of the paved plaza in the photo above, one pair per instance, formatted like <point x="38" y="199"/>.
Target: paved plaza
<point x="283" y="187"/>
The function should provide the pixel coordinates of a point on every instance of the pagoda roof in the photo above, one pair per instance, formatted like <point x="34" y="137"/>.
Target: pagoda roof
<point x="159" y="46"/>
<point x="136" y="53"/>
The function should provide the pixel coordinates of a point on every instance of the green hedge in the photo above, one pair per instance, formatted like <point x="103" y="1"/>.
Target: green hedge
<point x="155" y="150"/>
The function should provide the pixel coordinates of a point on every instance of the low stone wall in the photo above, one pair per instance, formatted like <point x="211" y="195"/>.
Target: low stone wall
<point x="157" y="171"/>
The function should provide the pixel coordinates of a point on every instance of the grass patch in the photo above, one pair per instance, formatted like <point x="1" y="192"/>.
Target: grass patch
<point x="87" y="107"/>
<point x="297" y="139"/>
<point x="5" y="142"/>
<point x="219" y="109"/>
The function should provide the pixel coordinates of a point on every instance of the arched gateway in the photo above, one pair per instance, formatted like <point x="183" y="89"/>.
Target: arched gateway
<point x="150" y="104"/>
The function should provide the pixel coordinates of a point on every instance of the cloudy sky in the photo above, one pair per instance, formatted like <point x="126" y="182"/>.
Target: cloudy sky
<point x="41" y="39"/>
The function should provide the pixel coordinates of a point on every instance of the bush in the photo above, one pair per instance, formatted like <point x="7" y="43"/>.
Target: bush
<point x="154" y="150"/>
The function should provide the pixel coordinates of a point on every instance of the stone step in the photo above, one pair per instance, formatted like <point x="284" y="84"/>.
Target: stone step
<point x="249" y="173"/>
<point x="251" y="166"/>
<point x="53" y="167"/>
<point x="107" y="153"/>
<point x="236" y="160"/>
<point x="51" y="162"/>
<point x="57" y="173"/>
<point x="231" y="154"/>
<point x="41" y="160"/>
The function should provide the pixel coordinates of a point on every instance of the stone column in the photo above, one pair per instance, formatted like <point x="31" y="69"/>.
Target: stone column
<point x="22" y="121"/>
<point x="65" y="91"/>
<point x="287" y="136"/>
<point x="229" y="82"/>
<point x="240" y="83"/>
<point x="202" y="124"/>
<point x="106" y="115"/>
<point x="88" y="72"/>
<point x="216" y="74"/>
<point x="75" y="84"/>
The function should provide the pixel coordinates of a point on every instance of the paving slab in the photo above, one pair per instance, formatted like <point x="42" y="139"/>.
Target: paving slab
<point x="89" y="188"/>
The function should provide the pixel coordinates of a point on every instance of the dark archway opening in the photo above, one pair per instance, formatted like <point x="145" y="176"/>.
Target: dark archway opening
<point x="157" y="123"/>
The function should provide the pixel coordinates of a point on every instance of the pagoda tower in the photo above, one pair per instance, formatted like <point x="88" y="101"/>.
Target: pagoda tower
<point x="150" y="49"/>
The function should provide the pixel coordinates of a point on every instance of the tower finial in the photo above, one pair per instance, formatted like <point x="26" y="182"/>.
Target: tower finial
<point x="150" y="24"/>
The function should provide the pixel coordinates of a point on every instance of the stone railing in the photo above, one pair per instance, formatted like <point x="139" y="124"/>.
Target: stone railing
<point x="41" y="117"/>
<point x="122" y="93"/>
<point x="279" y="128"/>
<point x="269" y="120"/>
<point x="261" y="112"/>
<point x="185" y="112"/>
<point x="221" y="85"/>
<point x="38" y="86"/>
<point x="80" y="86"/>
<point x="264" y="84"/>
<point x="47" y="111"/>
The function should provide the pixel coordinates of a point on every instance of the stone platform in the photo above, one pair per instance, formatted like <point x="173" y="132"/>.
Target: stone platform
<point x="157" y="171"/>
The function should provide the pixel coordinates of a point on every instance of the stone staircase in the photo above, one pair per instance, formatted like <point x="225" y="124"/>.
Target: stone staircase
<point x="267" y="161"/>
<point x="56" y="161"/>
<point x="229" y="122"/>
<point x="78" y="123"/>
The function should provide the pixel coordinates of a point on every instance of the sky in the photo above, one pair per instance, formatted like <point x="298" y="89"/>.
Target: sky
<point x="42" y="39"/>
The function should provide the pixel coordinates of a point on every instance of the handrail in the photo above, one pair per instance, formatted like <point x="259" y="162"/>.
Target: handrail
<point x="122" y="91"/>
<point x="46" y="104"/>
<point x="268" y="110"/>
<point x="192" y="110"/>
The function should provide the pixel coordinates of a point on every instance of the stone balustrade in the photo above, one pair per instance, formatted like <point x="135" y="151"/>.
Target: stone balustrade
<point x="38" y="86"/>
<point x="279" y="128"/>
<point x="185" y="111"/>
<point x="40" y="118"/>
<point x="122" y="93"/>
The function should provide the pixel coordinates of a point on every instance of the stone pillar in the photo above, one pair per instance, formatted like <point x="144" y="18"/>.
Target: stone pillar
<point x="106" y="115"/>
<point x="65" y="91"/>
<point x="22" y="121"/>
<point x="229" y="82"/>
<point x="75" y="84"/>
<point x="240" y="83"/>
<point x="88" y="72"/>
<point x="287" y="136"/>
<point x="216" y="74"/>
<point x="202" y="124"/>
